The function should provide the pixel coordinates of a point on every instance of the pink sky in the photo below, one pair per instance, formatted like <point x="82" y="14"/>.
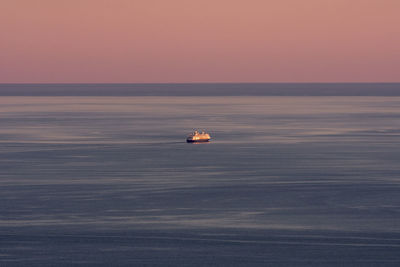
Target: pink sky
<point x="199" y="41"/>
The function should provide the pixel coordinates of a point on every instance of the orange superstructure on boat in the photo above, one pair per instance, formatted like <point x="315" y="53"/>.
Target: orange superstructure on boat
<point x="198" y="137"/>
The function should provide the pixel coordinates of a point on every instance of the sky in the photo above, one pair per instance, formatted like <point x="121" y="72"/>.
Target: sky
<point x="155" y="41"/>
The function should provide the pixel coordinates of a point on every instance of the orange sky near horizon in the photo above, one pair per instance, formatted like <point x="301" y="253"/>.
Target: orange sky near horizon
<point x="67" y="41"/>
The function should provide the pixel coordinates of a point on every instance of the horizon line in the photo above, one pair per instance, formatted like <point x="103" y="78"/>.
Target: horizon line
<point x="144" y="83"/>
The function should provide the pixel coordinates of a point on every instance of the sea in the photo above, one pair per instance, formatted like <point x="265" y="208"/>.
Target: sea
<point x="295" y="175"/>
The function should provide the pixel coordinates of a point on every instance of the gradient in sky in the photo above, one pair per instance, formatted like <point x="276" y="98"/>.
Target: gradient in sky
<point x="199" y="41"/>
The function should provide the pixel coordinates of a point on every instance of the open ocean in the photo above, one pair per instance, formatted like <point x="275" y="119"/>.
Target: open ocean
<point x="295" y="175"/>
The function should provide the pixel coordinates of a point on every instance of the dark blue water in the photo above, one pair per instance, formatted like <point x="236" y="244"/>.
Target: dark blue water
<point x="203" y="89"/>
<point x="286" y="181"/>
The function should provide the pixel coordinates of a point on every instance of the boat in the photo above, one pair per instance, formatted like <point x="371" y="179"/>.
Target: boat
<point x="196" y="136"/>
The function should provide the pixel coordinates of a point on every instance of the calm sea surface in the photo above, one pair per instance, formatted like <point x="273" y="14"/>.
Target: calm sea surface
<point x="286" y="181"/>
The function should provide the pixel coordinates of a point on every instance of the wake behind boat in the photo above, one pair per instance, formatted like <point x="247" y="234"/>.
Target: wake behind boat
<point x="198" y="137"/>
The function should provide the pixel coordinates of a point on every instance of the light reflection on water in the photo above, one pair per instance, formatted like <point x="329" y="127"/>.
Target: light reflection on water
<point x="168" y="119"/>
<point x="274" y="163"/>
